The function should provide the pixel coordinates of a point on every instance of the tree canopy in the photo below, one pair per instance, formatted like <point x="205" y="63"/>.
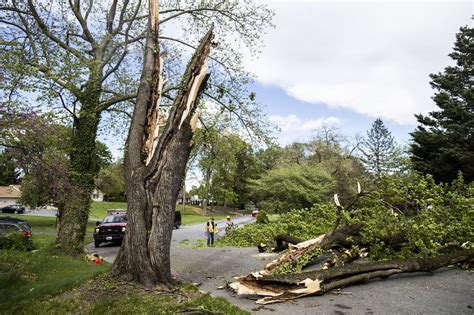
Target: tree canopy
<point x="83" y="58"/>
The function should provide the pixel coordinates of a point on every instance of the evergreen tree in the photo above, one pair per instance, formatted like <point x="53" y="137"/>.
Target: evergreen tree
<point x="378" y="149"/>
<point x="9" y="174"/>
<point x="443" y="143"/>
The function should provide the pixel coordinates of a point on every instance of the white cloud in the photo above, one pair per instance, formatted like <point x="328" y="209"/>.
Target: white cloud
<point x="294" y="129"/>
<point x="371" y="57"/>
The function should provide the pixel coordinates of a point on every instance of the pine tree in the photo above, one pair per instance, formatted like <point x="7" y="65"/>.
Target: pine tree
<point x="443" y="143"/>
<point x="9" y="174"/>
<point x="378" y="149"/>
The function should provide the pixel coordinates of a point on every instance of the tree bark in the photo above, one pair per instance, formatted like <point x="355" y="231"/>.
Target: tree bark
<point x="155" y="168"/>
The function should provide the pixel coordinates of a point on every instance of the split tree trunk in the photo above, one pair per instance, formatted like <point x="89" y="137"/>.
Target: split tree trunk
<point x="154" y="168"/>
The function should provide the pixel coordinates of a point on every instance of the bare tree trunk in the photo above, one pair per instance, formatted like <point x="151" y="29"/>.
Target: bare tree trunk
<point x="154" y="168"/>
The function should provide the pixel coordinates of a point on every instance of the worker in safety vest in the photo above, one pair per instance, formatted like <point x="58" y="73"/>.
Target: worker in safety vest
<point x="210" y="230"/>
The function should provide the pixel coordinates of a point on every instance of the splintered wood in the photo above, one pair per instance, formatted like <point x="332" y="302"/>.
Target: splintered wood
<point x="280" y="288"/>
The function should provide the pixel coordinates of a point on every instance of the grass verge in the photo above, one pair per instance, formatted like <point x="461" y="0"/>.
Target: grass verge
<point x="46" y="282"/>
<point x="27" y="277"/>
<point x="189" y="214"/>
<point x="99" y="209"/>
<point x="43" y="223"/>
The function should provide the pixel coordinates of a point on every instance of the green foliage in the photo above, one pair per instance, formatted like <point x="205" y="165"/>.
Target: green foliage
<point x="303" y="261"/>
<point x="9" y="173"/>
<point x="429" y="214"/>
<point x="293" y="187"/>
<point x="15" y="241"/>
<point x="304" y="223"/>
<point x="111" y="181"/>
<point x="227" y="163"/>
<point x="402" y="216"/>
<point x="262" y="217"/>
<point x="443" y="143"/>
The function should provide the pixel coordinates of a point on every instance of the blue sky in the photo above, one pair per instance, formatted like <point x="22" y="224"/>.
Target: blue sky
<point x="346" y="63"/>
<point x="307" y="118"/>
<point x="343" y="64"/>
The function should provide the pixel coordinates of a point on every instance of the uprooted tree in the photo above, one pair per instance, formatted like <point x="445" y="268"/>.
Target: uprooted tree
<point x="430" y="229"/>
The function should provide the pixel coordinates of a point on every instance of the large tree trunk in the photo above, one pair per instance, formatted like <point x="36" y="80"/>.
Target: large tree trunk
<point x="154" y="168"/>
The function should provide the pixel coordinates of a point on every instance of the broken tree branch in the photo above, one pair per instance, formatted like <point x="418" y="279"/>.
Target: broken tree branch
<point x="279" y="288"/>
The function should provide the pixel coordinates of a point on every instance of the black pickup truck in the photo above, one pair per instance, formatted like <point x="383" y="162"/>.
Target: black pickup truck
<point x="113" y="227"/>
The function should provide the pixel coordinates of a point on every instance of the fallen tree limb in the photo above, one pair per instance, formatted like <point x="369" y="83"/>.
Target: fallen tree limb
<point x="324" y="241"/>
<point x="281" y="243"/>
<point x="279" y="288"/>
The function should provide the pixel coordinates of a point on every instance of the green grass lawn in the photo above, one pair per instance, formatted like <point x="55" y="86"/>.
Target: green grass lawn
<point x="29" y="276"/>
<point x="46" y="282"/>
<point x="99" y="209"/>
<point x="188" y="215"/>
<point x="42" y="223"/>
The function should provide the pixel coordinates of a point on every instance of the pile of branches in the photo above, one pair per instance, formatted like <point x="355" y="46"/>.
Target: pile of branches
<point x="343" y="247"/>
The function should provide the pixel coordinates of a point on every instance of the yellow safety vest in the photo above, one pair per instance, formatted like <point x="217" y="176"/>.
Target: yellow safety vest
<point x="210" y="226"/>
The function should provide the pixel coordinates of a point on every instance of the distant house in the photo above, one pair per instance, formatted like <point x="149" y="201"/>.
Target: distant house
<point x="97" y="195"/>
<point x="187" y="200"/>
<point x="195" y="200"/>
<point x="9" y="195"/>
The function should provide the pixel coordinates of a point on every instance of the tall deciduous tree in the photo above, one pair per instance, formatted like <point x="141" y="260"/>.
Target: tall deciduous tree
<point x="378" y="149"/>
<point x="155" y="161"/>
<point x="293" y="187"/>
<point x="111" y="181"/>
<point x="84" y="57"/>
<point x="443" y="143"/>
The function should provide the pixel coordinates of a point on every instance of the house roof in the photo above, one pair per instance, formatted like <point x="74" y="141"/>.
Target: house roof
<point x="12" y="191"/>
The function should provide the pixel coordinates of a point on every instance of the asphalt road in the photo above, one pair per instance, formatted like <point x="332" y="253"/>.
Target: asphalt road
<point x="448" y="291"/>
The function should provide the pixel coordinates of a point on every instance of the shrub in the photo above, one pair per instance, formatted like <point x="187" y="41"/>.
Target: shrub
<point x="15" y="242"/>
<point x="304" y="223"/>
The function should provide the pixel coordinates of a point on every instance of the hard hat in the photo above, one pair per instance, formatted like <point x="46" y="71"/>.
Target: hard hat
<point x="228" y="217"/>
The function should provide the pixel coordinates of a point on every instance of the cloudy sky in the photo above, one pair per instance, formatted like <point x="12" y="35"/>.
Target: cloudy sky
<point x="345" y="63"/>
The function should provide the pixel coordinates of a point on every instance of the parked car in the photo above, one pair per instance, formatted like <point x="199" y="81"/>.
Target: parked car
<point x="13" y="209"/>
<point x="7" y="227"/>
<point x="113" y="227"/>
<point x="21" y="222"/>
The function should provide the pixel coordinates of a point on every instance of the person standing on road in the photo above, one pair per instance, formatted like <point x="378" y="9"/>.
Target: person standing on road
<point x="210" y="229"/>
<point x="228" y="224"/>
